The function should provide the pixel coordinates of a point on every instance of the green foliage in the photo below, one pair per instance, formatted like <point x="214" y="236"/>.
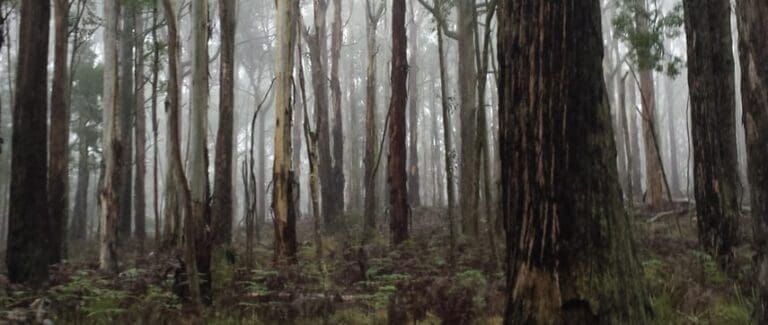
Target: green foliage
<point x="710" y="267"/>
<point x="97" y="301"/>
<point x="644" y="32"/>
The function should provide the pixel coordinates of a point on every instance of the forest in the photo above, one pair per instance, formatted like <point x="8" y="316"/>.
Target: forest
<point x="383" y="162"/>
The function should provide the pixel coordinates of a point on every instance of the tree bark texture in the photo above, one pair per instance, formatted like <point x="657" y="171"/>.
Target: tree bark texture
<point x="571" y="258"/>
<point x="30" y="230"/>
<point x="222" y="188"/>
<point x="398" y="191"/>
<point x="109" y="200"/>
<point x="753" y="49"/>
<point x="713" y="109"/>
<point x="58" y="145"/>
<point x="283" y="202"/>
<point x="468" y="101"/>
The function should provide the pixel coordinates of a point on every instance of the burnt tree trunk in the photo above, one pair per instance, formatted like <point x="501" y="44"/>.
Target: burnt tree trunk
<point x="570" y="252"/>
<point x="753" y="49"/>
<point x="398" y="191"/>
<point x="29" y="246"/>
<point x="713" y="128"/>
<point x="468" y="175"/>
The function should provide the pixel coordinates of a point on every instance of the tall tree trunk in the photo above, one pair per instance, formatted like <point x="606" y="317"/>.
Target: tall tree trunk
<point x="155" y="135"/>
<point x="222" y="188"/>
<point x="175" y="164"/>
<point x="627" y="150"/>
<point x="58" y="145"/>
<point x="414" y="108"/>
<point x="654" y="195"/>
<point x="753" y="49"/>
<point x="198" y="162"/>
<point x="80" y="211"/>
<point x="399" y="212"/>
<point x="109" y="199"/>
<point x="283" y="196"/>
<point x="318" y="54"/>
<point x="447" y="137"/>
<point x="30" y="249"/>
<point x="635" y="133"/>
<point x="713" y="107"/>
<point x="337" y="172"/>
<point x="373" y="15"/>
<point x="468" y="100"/>
<point x="569" y="249"/>
<point x="139" y="201"/>
<point x="674" y="170"/>
<point x="128" y="104"/>
<point x="261" y="181"/>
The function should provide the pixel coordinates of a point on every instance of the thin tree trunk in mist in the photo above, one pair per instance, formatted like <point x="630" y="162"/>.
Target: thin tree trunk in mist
<point x="447" y="137"/>
<point x="109" y="199"/>
<point x="398" y="191"/>
<point x="373" y="15"/>
<point x="155" y="135"/>
<point x="283" y="195"/>
<point x="128" y="103"/>
<point x="261" y="178"/>
<point x="567" y="254"/>
<point x="78" y="230"/>
<point x="674" y="169"/>
<point x="222" y="188"/>
<point x="58" y="144"/>
<point x="635" y="133"/>
<point x="627" y="150"/>
<point x="468" y="177"/>
<point x="414" y="108"/>
<point x="175" y="165"/>
<point x="483" y="125"/>
<point x="139" y="200"/>
<point x="198" y="162"/>
<point x="318" y="54"/>
<point x="311" y="140"/>
<point x="29" y="249"/>
<point x="337" y="172"/>
<point x="654" y="195"/>
<point x="753" y="49"/>
<point x="713" y="106"/>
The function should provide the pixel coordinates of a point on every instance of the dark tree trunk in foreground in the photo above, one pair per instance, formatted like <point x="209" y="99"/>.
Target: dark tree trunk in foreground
<point x="58" y="169"/>
<point x="222" y="184"/>
<point x="713" y="105"/>
<point x="398" y="191"/>
<point x="571" y="255"/>
<point x="30" y="231"/>
<point x="753" y="49"/>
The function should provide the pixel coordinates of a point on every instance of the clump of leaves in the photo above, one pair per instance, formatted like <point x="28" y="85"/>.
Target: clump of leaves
<point x="644" y="31"/>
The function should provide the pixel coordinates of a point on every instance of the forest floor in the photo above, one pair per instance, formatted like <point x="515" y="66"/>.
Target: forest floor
<point x="356" y="284"/>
